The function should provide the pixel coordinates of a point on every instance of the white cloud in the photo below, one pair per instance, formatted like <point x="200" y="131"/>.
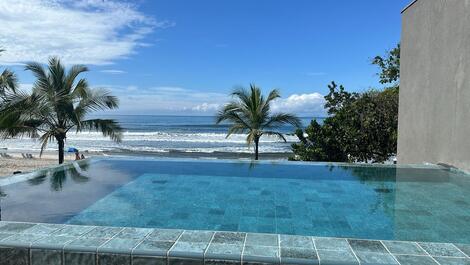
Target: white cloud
<point x="113" y="71"/>
<point x="207" y="107"/>
<point x="79" y="31"/>
<point x="301" y="104"/>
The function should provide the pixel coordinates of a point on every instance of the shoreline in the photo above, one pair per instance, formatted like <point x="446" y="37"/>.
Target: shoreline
<point x="12" y="161"/>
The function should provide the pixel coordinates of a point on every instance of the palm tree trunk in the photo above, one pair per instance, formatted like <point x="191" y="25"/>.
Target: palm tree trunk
<point x="61" y="150"/>
<point x="256" y="148"/>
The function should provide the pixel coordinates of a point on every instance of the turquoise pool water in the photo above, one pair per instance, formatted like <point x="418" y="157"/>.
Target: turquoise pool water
<point x="404" y="203"/>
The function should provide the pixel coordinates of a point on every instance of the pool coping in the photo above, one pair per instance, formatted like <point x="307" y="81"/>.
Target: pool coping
<point x="25" y="243"/>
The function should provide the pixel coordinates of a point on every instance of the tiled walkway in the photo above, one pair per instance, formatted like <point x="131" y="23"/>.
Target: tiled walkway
<point x="51" y="244"/>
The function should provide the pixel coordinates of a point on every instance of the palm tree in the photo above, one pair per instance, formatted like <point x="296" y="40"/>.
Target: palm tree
<point x="249" y="112"/>
<point x="57" y="104"/>
<point x="8" y="81"/>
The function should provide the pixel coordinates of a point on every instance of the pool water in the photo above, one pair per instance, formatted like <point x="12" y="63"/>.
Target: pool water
<point x="374" y="202"/>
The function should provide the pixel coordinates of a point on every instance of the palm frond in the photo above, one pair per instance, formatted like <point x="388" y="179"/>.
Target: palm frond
<point x="108" y="127"/>
<point x="8" y="82"/>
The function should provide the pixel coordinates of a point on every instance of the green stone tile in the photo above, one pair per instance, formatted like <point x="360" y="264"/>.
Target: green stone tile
<point x="134" y="233"/>
<point x="261" y="254"/>
<point x="415" y="260"/>
<point x="221" y="251"/>
<point x="52" y="242"/>
<point x="165" y="234"/>
<point x="367" y="246"/>
<point x="16" y="256"/>
<point x="452" y="261"/>
<point x="298" y="256"/>
<point x="43" y="229"/>
<point x="46" y="257"/>
<point x="236" y="238"/>
<point x="113" y="259"/>
<point x="188" y="249"/>
<point x="103" y="232"/>
<point x="119" y="245"/>
<point x="375" y="258"/>
<point x="84" y="244"/>
<point x="464" y="248"/>
<point x="220" y="262"/>
<point x="183" y="261"/>
<point x="442" y="249"/>
<point x="196" y="236"/>
<point x="79" y="258"/>
<point x="15" y="227"/>
<point x="73" y="230"/>
<point x="338" y="244"/>
<point x="337" y="257"/>
<point x="137" y="260"/>
<point x="399" y="247"/>
<point x="256" y="239"/>
<point x="296" y="241"/>
<point x="153" y="248"/>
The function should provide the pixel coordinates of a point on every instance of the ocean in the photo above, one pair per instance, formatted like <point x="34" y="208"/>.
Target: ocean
<point x="166" y="136"/>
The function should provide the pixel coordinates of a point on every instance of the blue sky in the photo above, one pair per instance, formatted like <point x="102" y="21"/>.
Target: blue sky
<point x="184" y="57"/>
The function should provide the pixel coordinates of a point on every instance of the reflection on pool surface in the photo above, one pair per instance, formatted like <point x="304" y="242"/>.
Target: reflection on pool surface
<point x="400" y="203"/>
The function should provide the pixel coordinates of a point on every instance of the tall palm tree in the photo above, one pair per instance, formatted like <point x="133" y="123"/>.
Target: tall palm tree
<point x="57" y="104"/>
<point x="249" y="112"/>
<point x="8" y="81"/>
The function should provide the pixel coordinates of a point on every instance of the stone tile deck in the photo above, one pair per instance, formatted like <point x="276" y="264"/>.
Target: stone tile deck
<point x="52" y="244"/>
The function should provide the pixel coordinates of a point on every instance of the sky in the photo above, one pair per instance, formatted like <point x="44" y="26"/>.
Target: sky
<point x="182" y="57"/>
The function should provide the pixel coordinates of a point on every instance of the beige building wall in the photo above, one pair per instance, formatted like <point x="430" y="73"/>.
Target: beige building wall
<point x="434" y="114"/>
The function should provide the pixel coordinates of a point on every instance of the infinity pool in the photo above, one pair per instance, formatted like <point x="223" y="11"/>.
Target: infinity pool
<point x="425" y="203"/>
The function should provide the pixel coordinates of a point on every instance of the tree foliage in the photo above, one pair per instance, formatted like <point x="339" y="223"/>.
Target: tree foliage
<point x="361" y="127"/>
<point x="250" y="112"/>
<point x="8" y="81"/>
<point x="57" y="104"/>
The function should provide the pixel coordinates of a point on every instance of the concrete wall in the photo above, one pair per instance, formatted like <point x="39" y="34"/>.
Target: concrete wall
<point x="434" y="115"/>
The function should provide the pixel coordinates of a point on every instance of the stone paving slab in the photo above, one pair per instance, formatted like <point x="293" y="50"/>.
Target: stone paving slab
<point x="33" y="243"/>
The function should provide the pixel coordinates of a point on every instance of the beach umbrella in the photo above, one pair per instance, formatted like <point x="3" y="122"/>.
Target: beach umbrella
<point x="72" y="150"/>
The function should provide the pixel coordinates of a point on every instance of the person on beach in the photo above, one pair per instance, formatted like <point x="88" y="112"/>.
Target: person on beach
<point x="77" y="155"/>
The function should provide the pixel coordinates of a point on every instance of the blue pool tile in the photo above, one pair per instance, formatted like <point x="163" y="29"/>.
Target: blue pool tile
<point x="236" y="238"/>
<point x="188" y="249"/>
<point x="73" y="230"/>
<point x="261" y="254"/>
<point x="464" y="248"/>
<point x="119" y="245"/>
<point x="441" y="249"/>
<point x="3" y="236"/>
<point x="85" y="244"/>
<point x="20" y="240"/>
<point x="165" y="234"/>
<point x="452" y="261"/>
<point x="46" y="257"/>
<point x="415" y="260"/>
<point x="134" y="233"/>
<point x="52" y="242"/>
<point x="222" y="251"/>
<point x="103" y="232"/>
<point x="257" y="239"/>
<point x="337" y="257"/>
<point x="375" y="258"/>
<point x="15" y="227"/>
<point x="42" y="229"/>
<point x="401" y="247"/>
<point x="196" y="236"/>
<point x="296" y="241"/>
<point x="153" y="248"/>
<point x="337" y="244"/>
<point x="293" y="255"/>
<point x="367" y="246"/>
